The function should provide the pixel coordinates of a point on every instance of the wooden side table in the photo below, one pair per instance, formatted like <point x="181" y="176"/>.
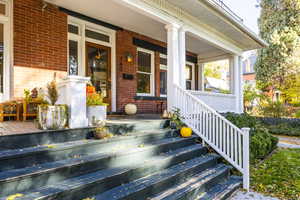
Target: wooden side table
<point x="30" y="108"/>
<point x="9" y="109"/>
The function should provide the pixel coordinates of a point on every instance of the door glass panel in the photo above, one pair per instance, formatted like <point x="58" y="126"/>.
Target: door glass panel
<point x="73" y="57"/>
<point x="98" y="68"/>
<point x="163" y="82"/>
<point x="2" y="9"/>
<point x="1" y="57"/>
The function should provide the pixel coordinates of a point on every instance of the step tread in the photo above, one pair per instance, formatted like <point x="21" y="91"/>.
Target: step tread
<point x="139" y="184"/>
<point x="222" y="190"/>
<point x="117" y="151"/>
<point x="90" y="178"/>
<point x="191" y="184"/>
<point x="6" y="154"/>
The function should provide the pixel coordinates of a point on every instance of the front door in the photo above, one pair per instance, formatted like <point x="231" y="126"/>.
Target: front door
<point x="98" y="67"/>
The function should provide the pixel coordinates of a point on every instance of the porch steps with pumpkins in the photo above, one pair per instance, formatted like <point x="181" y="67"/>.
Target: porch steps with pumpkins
<point x="146" y="161"/>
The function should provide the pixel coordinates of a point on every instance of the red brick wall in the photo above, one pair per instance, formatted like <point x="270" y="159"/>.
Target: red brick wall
<point x="40" y="37"/>
<point x="126" y="89"/>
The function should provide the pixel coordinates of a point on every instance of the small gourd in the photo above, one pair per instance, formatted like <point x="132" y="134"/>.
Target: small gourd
<point x="186" y="132"/>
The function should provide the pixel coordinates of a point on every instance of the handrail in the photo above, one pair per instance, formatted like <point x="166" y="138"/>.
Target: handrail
<point x="231" y="142"/>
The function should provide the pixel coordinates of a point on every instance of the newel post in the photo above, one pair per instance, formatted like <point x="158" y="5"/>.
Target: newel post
<point x="72" y="92"/>
<point x="246" y="158"/>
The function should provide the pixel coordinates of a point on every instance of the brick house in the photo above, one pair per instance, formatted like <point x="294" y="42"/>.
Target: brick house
<point x="126" y="47"/>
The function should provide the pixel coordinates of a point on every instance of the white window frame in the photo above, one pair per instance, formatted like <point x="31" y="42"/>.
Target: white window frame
<point x="152" y="74"/>
<point x="7" y="21"/>
<point x="163" y="67"/>
<point x="81" y="39"/>
<point x="193" y="81"/>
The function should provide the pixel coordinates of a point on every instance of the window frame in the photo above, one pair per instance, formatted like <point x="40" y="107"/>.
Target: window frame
<point x="165" y="68"/>
<point x="152" y="74"/>
<point x="193" y="80"/>
<point x="76" y="38"/>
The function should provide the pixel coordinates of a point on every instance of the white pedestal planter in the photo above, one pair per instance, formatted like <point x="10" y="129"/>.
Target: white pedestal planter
<point x="52" y="117"/>
<point x="96" y="113"/>
<point x="130" y="109"/>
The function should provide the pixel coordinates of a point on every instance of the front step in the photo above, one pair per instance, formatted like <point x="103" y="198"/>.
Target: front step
<point x="48" y="173"/>
<point x="146" y="163"/>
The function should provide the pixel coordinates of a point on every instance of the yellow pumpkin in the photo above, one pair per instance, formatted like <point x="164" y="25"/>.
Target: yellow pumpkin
<point x="186" y="132"/>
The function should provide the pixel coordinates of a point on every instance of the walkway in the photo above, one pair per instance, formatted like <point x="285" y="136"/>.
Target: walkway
<point x="288" y="142"/>
<point x="251" y="196"/>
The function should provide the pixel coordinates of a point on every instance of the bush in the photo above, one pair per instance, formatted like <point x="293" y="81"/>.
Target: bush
<point x="262" y="143"/>
<point x="282" y="126"/>
<point x="273" y="109"/>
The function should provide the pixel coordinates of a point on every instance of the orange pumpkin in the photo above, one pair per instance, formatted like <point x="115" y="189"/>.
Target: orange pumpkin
<point x="90" y="89"/>
<point x="186" y="132"/>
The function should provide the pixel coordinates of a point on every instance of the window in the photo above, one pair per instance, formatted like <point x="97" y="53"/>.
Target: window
<point x="73" y="29"/>
<point x="145" y="73"/>
<point x="190" y="76"/>
<point x="217" y="76"/>
<point x="73" y="57"/>
<point x="163" y="75"/>
<point x="96" y="35"/>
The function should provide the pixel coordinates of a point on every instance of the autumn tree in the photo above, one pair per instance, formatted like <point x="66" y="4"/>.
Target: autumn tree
<point x="279" y="26"/>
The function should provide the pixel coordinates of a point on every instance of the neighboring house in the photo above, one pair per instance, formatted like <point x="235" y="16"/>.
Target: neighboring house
<point x="248" y="68"/>
<point x="123" y="45"/>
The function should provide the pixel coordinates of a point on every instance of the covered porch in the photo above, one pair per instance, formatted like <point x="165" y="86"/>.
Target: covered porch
<point x="180" y="41"/>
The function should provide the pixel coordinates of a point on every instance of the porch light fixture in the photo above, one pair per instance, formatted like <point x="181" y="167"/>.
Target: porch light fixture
<point x="129" y="57"/>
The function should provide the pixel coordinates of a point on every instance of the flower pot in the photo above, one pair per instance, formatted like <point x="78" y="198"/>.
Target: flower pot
<point x="52" y="117"/>
<point x="96" y="113"/>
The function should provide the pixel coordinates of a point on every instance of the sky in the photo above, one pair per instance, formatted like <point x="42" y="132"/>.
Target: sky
<point x="246" y="9"/>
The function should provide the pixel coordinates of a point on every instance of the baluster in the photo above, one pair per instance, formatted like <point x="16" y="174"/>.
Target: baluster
<point x="236" y="146"/>
<point x="217" y="132"/>
<point x="224" y="136"/>
<point x="227" y="141"/>
<point x="231" y="145"/>
<point x="240" y="148"/>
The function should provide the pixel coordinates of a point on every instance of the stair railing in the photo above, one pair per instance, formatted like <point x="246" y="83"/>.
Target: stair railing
<point x="231" y="142"/>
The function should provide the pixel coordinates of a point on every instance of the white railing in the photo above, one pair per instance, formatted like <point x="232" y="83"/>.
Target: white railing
<point x="215" y="130"/>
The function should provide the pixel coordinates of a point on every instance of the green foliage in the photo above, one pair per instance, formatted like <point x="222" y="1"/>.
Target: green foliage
<point x="95" y="100"/>
<point x="284" y="129"/>
<point x="297" y="114"/>
<point x="279" y="26"/>
<point x="262" y="142"/>
<point x="275" y="109"/>
<point x="52" y="92"/>
<point x="175" y="119"/>
<point x="279" y="176"/>
<point x="27" y="95"/>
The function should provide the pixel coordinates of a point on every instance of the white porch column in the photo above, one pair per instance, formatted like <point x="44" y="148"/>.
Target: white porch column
<point x="173" y="62"/>
<point x="200" y="74"/>
<point x="73" y="93"/>
<point x="237" y="83"/>
<point x="182" y="57"/>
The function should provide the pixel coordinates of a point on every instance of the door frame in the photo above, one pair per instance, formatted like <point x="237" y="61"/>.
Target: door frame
<point x="83" y="25"/>
<point x="91" y="44"/>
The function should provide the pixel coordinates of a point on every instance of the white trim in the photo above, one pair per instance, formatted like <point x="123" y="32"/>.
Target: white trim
<point x="83" y="25"/>
<point x="163" y="67"/>
<point x="196" y="92"/>
<point x="8" y="51"/>
<point x="152" y="74"/>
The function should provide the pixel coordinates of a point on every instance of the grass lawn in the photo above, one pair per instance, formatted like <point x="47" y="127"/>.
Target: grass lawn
<point x="279" y="175"/>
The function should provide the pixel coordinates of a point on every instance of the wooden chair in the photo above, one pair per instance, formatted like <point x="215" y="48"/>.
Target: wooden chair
<point x="10" y="109"/>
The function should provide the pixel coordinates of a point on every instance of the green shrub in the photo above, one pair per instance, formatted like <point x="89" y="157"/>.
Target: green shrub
<point x="275" y="109"/>
<point x="284" y="129"/>
<point x="262" y="143"/>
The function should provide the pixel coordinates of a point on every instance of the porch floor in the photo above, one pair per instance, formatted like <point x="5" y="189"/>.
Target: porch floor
<point x="19" y="127"/>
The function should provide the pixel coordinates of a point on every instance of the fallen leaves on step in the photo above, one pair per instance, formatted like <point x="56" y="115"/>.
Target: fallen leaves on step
<point x="14" y="196"/>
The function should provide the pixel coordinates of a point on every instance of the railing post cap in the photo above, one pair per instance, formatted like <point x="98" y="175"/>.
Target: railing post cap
<point x="246" y="129"/>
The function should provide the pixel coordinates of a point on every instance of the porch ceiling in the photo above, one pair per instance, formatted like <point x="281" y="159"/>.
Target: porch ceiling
<point x="225" y="22"/>
<point x="119" y="15"/>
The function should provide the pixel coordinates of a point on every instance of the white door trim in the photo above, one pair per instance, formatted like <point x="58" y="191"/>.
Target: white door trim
<point x="83" y="25"/>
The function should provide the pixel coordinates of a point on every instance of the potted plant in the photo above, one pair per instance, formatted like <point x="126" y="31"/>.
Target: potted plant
<point x="52" y="116"/>
<point x="96" y="109"/>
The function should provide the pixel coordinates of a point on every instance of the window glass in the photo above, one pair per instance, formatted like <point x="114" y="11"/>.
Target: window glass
<point x="144" y="62"/>
<point x="189" y="76"/>
<point x="217" y="76"/>
<point x="73" y="29"/>
<point x="144" y="73"/>
<point x="163" y="82"/>
<point x="163" y="61"/>
<point x="96" y="36"/>
<point x="73" y="57"/>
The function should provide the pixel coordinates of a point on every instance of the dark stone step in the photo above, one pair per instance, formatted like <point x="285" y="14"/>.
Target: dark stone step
<point x="20" y="158"/>
<point x="222" y="190"/>
<point x="33" y="177"/>
<point x="191" y="188"/>
<point x="145" y="187"/>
